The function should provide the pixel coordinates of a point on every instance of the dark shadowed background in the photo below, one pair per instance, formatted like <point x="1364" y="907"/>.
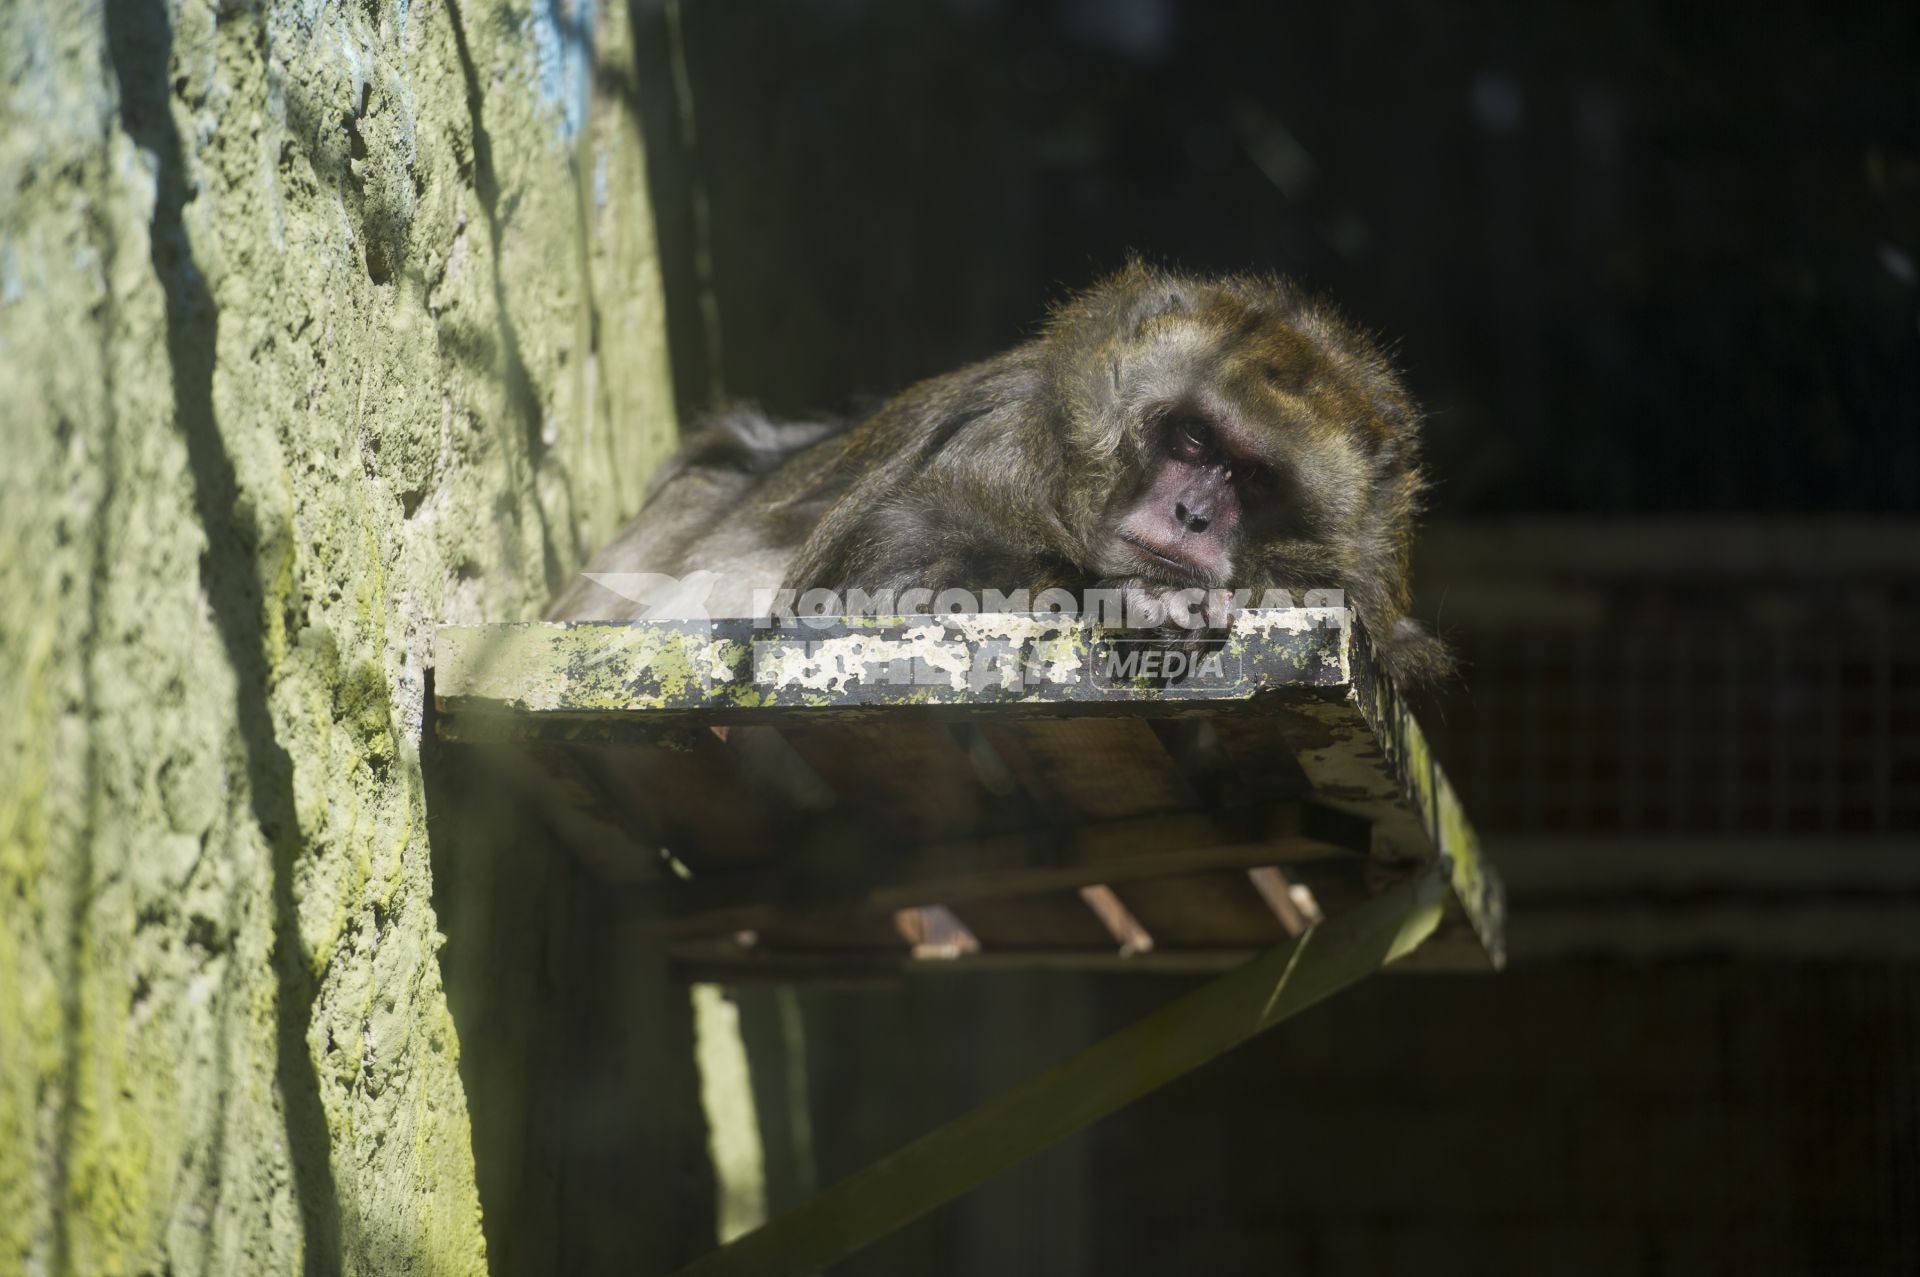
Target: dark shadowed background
<point x="1634" y="259"/>
<point x="1654" y="274"/>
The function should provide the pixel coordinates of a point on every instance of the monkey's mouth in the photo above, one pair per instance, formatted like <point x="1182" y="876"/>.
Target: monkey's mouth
<point x="1183" y="571"/>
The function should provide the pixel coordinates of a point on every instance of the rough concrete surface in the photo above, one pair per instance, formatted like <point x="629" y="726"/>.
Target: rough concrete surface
<point x="319" y="324"/>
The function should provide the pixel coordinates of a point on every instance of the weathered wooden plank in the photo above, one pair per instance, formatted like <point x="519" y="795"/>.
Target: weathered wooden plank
<point x="508" y="681"/>
<point x="1477" y="889"/>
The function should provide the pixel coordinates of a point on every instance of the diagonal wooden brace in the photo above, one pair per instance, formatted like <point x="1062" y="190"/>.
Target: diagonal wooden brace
<point x="1102" y="1079"/>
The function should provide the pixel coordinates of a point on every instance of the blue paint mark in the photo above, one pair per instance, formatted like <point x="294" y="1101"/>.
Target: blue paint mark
<point x="563" y="59"/>
<point x="11" y="289"/>
<point x="351" y="53"/>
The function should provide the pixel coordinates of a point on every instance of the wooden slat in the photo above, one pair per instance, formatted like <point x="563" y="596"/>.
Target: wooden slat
<point x="1292" y="903"/>
<point x="720" y="961"/>
<point x="999" y="866"/>
<point x="1119" y="920"/>
<point x="935" y="933"/>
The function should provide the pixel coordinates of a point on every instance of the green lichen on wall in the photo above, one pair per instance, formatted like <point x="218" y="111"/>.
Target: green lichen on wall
<point x="319" y="325"/>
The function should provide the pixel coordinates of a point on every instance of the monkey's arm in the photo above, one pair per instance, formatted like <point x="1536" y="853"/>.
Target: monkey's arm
<point x="944" y="487"/>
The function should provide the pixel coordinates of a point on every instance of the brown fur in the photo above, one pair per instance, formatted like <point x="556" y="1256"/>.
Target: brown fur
<point x="1017" y="472"/>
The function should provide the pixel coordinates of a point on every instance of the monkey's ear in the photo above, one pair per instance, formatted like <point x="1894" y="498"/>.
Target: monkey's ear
<point x="1414" y="657"/>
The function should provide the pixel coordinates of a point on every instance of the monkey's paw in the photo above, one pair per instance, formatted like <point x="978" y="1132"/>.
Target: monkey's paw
<point x="1414" y="657"/>
<point x="1177" y="610"/>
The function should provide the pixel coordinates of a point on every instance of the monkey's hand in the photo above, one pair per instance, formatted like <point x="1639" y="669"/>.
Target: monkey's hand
<point x="1177" y="610"/>
<point x="1414" y="657"/>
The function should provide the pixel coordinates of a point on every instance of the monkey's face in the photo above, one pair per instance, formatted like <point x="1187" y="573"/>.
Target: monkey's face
<point x="1256" y="437"/>
<point x="1204" y="487"/>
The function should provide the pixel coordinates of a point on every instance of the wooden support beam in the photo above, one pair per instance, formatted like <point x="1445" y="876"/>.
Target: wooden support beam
<point x="717" y="960"/>
<point x="1106" y="1076"/>
<point x="1127" y="933"/>
<point x="1293" y="906"/>
<point x="1091" y="854"/>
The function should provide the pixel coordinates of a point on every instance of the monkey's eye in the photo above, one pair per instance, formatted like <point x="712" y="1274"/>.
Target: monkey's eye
<point x="1255" y="481"/>
<point x="1190" y="438"/>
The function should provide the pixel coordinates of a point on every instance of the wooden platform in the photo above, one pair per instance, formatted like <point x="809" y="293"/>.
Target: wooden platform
<point x="857" y="795"/>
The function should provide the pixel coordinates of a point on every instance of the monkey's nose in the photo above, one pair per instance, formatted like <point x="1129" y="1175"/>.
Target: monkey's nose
<point x="1188" y="519"/>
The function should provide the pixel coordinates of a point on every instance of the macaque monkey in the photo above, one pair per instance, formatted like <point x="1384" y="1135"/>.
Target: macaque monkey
<point x="1164" y="433"/>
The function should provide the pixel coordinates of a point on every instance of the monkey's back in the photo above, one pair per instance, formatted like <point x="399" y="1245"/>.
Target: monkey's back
<point x="719" y="505"/>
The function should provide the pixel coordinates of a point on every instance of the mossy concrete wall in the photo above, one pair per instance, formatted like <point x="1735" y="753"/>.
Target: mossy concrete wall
<point x="319" y="324"/>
